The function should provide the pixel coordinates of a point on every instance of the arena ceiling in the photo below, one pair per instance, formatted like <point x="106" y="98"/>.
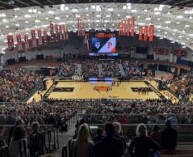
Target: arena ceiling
<point x="172" y="22"/>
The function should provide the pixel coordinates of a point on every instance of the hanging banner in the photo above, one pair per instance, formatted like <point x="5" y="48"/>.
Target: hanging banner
<point x="128" y="27"/>
<point x="140" y="33"/>
<point x="145" y="31"/>
<point x="80" y="27"/>
<point x="66" y="33"/>
<point x="125" y="27"/>
<point x="151" y="33"/>
<point x="51" y="28"/>
<point x="26" y="41"/>
<point x="45" y="38"/>
<point x="10" y="42"/>
<point x="33" y="34"/>
<point x="60" y="32"/>
<point x="132" y="26"/>
<point x="19" y="44"/>
<point x="56" y="28"/>
<point x="121" y="28"/>
<point x="40" y="38"/>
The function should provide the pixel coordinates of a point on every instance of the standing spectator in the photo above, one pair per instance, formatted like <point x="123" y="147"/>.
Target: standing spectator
<point x="82" y="146"/>
<point x="99" y="135"/>
<point x="118" y="130"/>
<point x="142" y="145"/>
<point x="156" y="135"/>
<point x="169" y="136"/>
<point x="109" y="146"/>
<point x="18" y="144"/>
<point x="36" y="141"/>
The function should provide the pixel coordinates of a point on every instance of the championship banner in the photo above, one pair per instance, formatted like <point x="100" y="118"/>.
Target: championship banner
<point x="66" y="33"/>
<point x="140" y="33"/>
<point x="10" y="42"/>
<point x="145" y="31"/>
<point x="33" y="34"/>
<point x="128" y="27"/>
<point x="26" y="41"/>
<point x="81" y="27"/>
<point x="132" y="26"/>
<point x="39" y="33"/>
<point x="125" y="27"/>
<point x="40" y="38"/>
<point x="151" y="33"/>
<point x="56" y="28"/>
<point x="121" y="28"/>
<point x="60" y="32"/>
<point x="45" y="38"/>
<point x="19" y="44"/>
<point x="51" y="28"/>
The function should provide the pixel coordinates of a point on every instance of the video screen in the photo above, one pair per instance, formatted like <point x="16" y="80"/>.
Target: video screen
<point x="101" y="46"/>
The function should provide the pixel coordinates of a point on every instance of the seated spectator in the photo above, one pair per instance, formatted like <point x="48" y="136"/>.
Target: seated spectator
<point x="109" y="146"/>
<point x="169" y="136"/>
<point x="82" y="146"/>
<point x="142" y="145"/>
<point x="36" y="141"/>
<point x="98" y="136"/>
<point x="18" y="144"/>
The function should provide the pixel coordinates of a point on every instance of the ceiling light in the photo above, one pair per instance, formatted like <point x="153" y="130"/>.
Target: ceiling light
<point x="93" y="7"/>
<point x="174" y="33"/>
<point x="67" y="16"/>
<point x="98" y="8"/>
<point x="57" y="18"/>
<point x="88" y="20"/>
<point x="180" y="36"/>
<point x="17" y="24"/>
<point x="98" y="15"/>
<point x="66" y="8"/>
<point x="190" y="17"/>
<point x="124" y="7"/>
<point x="128" y="16"/>
<point x="179" y="17"/>
<point x="86" y="8"/>
<point x="148" y="19"/>
<point x="172" y="42"/>
<point x="110" y="9"/>
<point x="15" y="16"/>
<point x="7" y="26"/>
<point x="174" y="30"/>
<point x="157" y="13"/>
<point x="108" y="15"/>
<point x="27" y="16"/>
<point x="168" y="22"/>
<point x="138" y="17"/>
<point x="158" y="19"/>
<point x="133" y="11"/>
<point x="37" y="21"/>
<point x="30" y="10"/>
<point x="97" y="20"/>
<point x="26" y="22"/>
<point x="4" y="20"/>
<point x="168" y="13"/>
<point x="158" y="26"/>
<point x="178" y="22"/>
<point x="187" y="26"/>
<point x="74" y="10"/>
<point x="50" y="12"/>
<point x="2" y="15"/>
<point x="106" y="21"/>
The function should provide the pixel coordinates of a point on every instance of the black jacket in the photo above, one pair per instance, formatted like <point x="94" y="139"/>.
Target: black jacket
<point x="142" y="147"/>
<point x="109" y="147"/>
<point x="169" y="138"/>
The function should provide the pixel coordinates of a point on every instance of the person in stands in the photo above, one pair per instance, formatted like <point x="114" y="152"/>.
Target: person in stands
<point x="18" y="143"/>
<point x="118" y="131"/>
<point x="82" y="146"/>
<point x="98" y="136"/>
<point x="156" y="135"/>
<point x="110" y="145"/>
<point x="142" y="145"/>
<point x="169" y="136"/>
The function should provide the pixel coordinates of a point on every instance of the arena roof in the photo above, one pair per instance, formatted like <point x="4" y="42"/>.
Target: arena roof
<point x="172" y="22"/>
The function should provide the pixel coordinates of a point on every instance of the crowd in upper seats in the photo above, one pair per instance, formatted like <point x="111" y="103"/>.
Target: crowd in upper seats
<point x="182" y="85"/>
<point x="132" y="69"/>
<point x="17" y="84"/>
<point x="108" y="68"/>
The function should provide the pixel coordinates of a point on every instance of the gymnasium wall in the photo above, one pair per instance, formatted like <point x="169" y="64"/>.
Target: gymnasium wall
<point x="127" y="45"/>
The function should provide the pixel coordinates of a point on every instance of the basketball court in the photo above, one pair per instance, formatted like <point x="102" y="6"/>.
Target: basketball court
<point x="102" y="90"/>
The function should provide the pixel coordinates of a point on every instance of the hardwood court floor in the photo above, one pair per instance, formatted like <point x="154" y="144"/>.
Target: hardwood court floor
<point x="84" y="90"/>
